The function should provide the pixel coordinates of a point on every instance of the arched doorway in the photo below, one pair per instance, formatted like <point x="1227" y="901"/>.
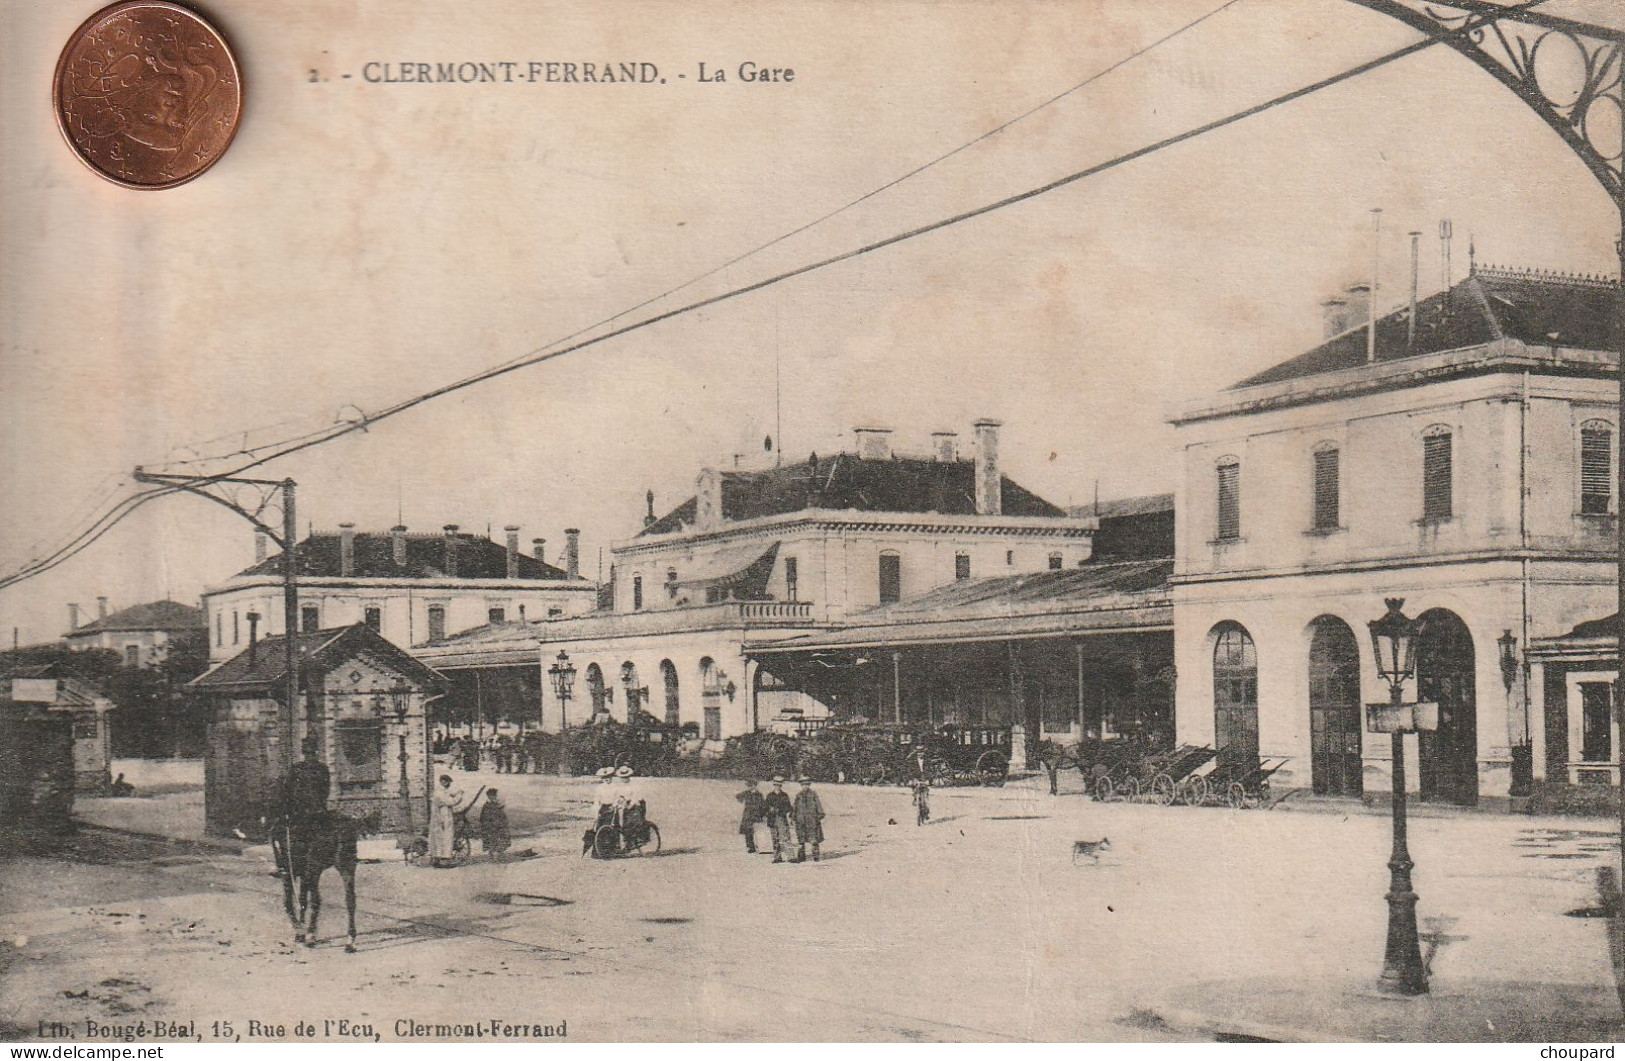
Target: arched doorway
<point x="1235" y="692"/>
<point x="595" y="688"/>
<point x="668" y="678"/>
<point x="1334" y="709"/>
<point x="1444" y="675"/>
<point x="634" y="691"/>
<point x="711" y="699"/>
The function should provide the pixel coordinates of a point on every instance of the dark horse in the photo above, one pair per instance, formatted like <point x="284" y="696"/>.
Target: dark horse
<point x="306" y="848"/>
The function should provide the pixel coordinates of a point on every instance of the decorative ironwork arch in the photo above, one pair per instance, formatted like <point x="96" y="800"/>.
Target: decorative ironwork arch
<point x="1506" y="42"/>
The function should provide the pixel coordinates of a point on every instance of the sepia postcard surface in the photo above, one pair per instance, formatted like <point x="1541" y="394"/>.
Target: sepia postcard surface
<point x="810" y="521"/>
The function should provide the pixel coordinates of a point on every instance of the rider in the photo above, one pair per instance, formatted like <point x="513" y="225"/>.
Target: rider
<point x="630" y="808"/>
<point x="303" y="798"/>
<point x="606" y="795"/>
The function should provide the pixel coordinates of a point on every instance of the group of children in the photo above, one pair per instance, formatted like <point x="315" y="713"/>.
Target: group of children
<point x="777" y="810"/>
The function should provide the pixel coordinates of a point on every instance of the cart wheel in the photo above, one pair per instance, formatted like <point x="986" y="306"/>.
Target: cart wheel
<point x="1131" y="790"/>
<point x="1162" y="790"/>
<point x="652" y="844"/>
<point x="1237" y="795"/>
<point x="1196" y="791"/>
<point x="992" y="768"/>
<point x="606" y="842"/>
<point x="1105" y="792"/>
<point x="461" y="849"/>
<point x="876" y="774"/>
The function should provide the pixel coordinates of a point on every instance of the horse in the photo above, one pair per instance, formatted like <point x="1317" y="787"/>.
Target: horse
<point x="304" y="850"/>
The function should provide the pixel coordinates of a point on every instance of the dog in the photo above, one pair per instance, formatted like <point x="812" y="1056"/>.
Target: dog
<point x="1089" y="848"/>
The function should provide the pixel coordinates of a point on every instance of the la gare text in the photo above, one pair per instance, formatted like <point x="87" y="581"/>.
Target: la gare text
<point x="547" y="72"/>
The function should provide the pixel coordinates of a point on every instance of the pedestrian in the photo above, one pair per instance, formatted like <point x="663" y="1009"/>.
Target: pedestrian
<point x="494" y="835"/>
<point x="443" y="822"/>
<point x="776" y="808"/>
<point x="922" y="801"/>
<point x="750" y="815"/>
<point x="809" y="815"/>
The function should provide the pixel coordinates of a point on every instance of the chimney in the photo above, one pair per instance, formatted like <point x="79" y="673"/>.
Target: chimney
<point x="538" y="549"/>
<point x="262" y="546"/>
<point x="101" y="607"/>
<point x="708" y="500"/>
<point x="572" y="553"/>
<point x="1334" y="316"/>
<point x="397" y="544"/>
<point x="512" y="531"/>
<point x="989" y="482"/>
<point x="253" y="637"/>
<point x="649" y="508"/>
<point x="347" y="550"/>
<point x="73" y="616"/>
<point x="451" y="549"/>
<point x="1358" y="298"/>
<point x="874" y="443"/>
<point x="945" y="446"/>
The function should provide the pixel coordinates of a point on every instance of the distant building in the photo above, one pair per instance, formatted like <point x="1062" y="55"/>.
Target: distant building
<point x="1467" y="467"/>
<point x="362" y="712"/>
<point x="758" y="557"/>
<point x="42" y="688"/>
<point x="142" y="635"/>
<point x="411" y="588"/>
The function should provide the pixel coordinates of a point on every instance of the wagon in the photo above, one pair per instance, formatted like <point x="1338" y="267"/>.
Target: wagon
<point x="1170" y="770"/>
<point x="1240" y="780"/>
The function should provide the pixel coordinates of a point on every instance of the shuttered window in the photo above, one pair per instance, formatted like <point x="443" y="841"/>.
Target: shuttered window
<point x="1596" y="468"/>
<point x="961" y="565"/>
<point x="1436" y="476"/>
<point x="1596" y="712"/>
<point x="1327" y="471"/>
<point x="791" y="579"/>
<point x="1229" y="502"/>
<point x="891" y="578"/>
<point x="437" y="622"/>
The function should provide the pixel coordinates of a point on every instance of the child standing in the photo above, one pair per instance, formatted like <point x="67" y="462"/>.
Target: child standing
<point x="753" y="812"/>
<point x="922" y="801"/>
<point x="494" y="835"/>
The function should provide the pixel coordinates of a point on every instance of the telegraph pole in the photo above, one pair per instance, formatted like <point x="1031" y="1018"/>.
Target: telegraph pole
<point x="286" y="541"/>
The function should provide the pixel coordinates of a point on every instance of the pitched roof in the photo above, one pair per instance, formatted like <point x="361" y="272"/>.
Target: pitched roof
<point x="1100" y="597"/>
<point x="156" y="615"/>
<point x="1127" y="506"/>
<point x="263" y="664"/>
<point x="1541" y="309"/>
<point x="426" y="557"/>
<point x="845" y="481"/>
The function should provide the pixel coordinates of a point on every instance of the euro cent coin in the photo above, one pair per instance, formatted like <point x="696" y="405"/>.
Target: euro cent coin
<point x="147" y="94"/>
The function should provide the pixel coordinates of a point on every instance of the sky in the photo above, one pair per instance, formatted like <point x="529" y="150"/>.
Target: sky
<point x="361" y="243"/>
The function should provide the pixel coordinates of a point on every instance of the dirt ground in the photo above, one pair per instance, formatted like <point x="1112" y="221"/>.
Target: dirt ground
<point x="979" y="926"/>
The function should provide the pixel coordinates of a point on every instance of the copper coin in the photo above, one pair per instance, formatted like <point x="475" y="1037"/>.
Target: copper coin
<point x="147" y="94"/>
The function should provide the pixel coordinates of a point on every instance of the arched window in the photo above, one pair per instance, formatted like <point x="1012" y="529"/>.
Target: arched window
<point x="668" y="678"/>
<point x="1596" y="467"/>
<point x="634" y="691"/>
<point x="1334" y="709"/>
<point x="595" y="688"/>
<point x="1235" y="692"/>
<point x="711" y="698"/>
<point x="1437" y="473"/>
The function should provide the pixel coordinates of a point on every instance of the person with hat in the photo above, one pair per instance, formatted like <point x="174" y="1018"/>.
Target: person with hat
<point x="809" y="817"/>
<point x="495" y="836"/>
<point x="750" y="814"/>
<point x="629" y="804"/>
<point x="604" y="796"/>
<point x="776" y="808"/>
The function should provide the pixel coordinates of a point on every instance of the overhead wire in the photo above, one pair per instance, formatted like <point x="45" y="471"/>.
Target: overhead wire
<point x="321" y="437"/>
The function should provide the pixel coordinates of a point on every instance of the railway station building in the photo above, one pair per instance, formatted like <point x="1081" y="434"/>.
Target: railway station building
<point x="1461" y="459"/>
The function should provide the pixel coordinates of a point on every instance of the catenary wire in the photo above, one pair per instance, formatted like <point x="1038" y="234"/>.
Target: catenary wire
<point x="337" y="431"/>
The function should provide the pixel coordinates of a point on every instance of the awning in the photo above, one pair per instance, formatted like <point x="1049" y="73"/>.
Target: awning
<point x="744" y="569"/>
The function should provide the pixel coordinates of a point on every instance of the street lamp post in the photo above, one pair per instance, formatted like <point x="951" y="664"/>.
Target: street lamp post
<point x="1393" y="640"/>
<point x="563" y="674"/>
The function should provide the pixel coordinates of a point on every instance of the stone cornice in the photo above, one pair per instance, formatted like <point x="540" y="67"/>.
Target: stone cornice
<point x="851" y="519"/>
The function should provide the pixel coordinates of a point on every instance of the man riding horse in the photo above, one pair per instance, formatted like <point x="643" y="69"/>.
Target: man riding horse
<point x="307" y="839"/>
